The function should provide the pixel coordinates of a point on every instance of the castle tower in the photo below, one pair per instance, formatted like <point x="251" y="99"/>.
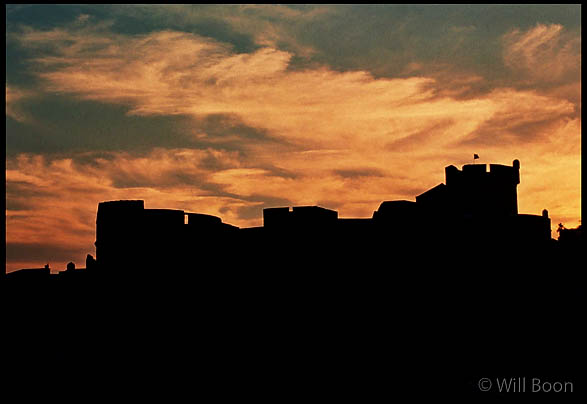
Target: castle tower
<point x="475" y="192"/>
<point x="503" y="193"/>
<point x="118" y="232"/>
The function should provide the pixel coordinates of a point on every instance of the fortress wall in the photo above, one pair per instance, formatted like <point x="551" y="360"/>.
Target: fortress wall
<point x="118" y="229"/>
<point x="475" y="206"/>
<point x="275" y="217"/>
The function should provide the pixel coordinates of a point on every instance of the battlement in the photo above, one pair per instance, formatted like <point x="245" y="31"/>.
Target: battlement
<point x="110" y="210"/>
<point x="474" y="191"/>
<point x="477" y="173"/>
<point x="152" y="234"/>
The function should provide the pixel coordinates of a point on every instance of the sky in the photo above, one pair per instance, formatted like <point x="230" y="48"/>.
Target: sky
<point x="229" y="109"/>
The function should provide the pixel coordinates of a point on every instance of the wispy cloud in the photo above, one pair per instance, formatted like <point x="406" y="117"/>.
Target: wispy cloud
<point x="547" y="58"/>
<point x="544" y="53"/>
<point x="13" y="110"/>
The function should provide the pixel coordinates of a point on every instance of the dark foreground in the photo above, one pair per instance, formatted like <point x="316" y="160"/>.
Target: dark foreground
<point x="364" y="325"/>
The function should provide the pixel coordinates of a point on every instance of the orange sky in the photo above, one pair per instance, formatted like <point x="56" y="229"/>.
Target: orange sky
<point x="187" y="120"/>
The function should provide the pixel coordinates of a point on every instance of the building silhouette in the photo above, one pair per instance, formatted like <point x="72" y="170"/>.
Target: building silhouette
<point x="474" y="206"/>
<point x="457" y="276"/>
<point x="474" y="212"/>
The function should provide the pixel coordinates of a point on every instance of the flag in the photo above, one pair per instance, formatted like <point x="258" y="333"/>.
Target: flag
<point x="475" y="156"/>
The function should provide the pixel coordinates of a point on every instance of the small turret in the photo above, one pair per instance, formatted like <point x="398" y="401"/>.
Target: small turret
<point x="516" y="165"/>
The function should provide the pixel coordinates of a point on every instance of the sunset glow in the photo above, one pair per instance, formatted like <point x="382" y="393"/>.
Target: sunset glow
<point x="227" y="110"/>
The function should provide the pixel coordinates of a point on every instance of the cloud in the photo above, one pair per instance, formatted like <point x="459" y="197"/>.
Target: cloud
<point x="278" y="26"/>
<point x="13" y="97"/>
<point x="414" y="139"/>
<point x="252" y="102"/>
<point x="82" y="19"/>
<point x="174" y="73"/>
<point x="22" y="253"/>
<point x="359" y="172"/>
<point x="521" y="117"/>
<point x="545" y="53"/>
<point x="547" y="59"/>
<point x="59" y="124"/>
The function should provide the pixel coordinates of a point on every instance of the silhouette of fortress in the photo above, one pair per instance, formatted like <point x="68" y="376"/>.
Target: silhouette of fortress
<point x="475" y="212"/>
<point x="308" y="299"/>
<point x="473" y="206"/>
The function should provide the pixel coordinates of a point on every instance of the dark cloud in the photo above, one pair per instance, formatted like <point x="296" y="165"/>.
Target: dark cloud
<point x="204" y="20"/>
<point x="359" y="173"/>
<point x="214" y="162"/>
<point x="92" y="159"/>
<point x="133" y="180"/>
<point x="42" y="16"/>
<point x="503" y="130"/>
<point x="228" y="132"/>
<point x="42" y="252"/>
<point x="162" y="180"/>
<point x="261" y="202"/>
<point x="19" y="71"/>
<point x="280" y="172"/>
<point x="454" y="82"/>
<point x="446" y="42"/>
<point x="14" y="203"/>
<point x="133" y="20"/>
<point x="414" y="141"/>
<point x="21" y="195"/>
<point x="65" y="124"/>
